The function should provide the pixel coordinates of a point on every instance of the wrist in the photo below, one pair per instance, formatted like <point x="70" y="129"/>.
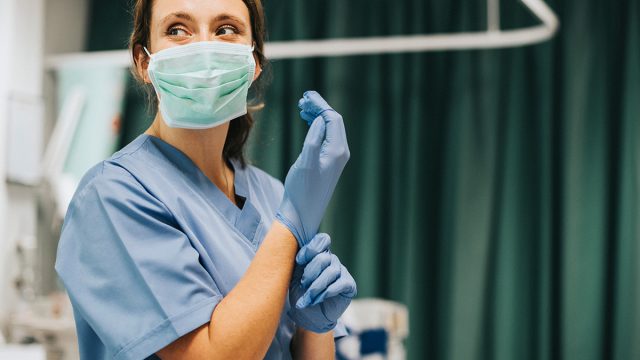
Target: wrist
<point x="290" y="226"/>
<point x="284" y="231"/>
<point x="309" y="345"/>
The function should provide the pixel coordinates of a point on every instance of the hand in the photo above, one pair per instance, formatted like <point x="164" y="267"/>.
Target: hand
<point x="321" y="288"/>
<point x="313" y="177"/>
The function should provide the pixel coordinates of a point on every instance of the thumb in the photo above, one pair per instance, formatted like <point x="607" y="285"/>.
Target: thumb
<point x="319" y="244"/>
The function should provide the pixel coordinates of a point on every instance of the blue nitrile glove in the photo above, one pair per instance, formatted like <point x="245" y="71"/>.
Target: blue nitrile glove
<point x="314" y="175"/>
<point x="321" y="288"/>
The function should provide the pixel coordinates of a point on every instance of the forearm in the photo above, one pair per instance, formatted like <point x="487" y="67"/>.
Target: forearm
<point x="309" y="345"/>
<point x="245" y="321"/>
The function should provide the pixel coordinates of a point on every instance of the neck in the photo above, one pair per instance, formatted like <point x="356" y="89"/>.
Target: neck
<point x="204" y="147"/>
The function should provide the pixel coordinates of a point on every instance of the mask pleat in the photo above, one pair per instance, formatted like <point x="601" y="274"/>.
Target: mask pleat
<point x="201" y="80"/>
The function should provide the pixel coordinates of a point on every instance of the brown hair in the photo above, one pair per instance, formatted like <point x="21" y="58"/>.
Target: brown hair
<point x="239" y="128"/>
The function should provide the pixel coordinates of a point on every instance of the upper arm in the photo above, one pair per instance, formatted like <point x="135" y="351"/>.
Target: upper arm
<point x="129" y="270"/>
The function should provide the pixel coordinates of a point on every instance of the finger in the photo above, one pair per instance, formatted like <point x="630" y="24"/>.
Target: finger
<point x="307" y="117"/>
<point x="317" y="245"/>
<point x="313" y="270"/>
<point x="312" y="143"/>
<point x="320" y="298"/>
<point x="315" y="134"/>
<point x="319" y="285"/>
<point x="338" y="288"/>
<point x="313" y="104"/>
<point x="335" y="133"/>
<point x="346" y="286"/>
<point x="330" y="274"/>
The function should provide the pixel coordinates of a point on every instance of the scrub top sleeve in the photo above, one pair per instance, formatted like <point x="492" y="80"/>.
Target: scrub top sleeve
<point x="129" y="270"/>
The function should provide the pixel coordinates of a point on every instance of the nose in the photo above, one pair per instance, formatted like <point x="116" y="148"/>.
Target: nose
<point x="204" y="33"/>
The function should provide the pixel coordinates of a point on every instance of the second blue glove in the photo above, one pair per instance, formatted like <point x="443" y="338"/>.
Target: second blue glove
<point x="321" y="288"/>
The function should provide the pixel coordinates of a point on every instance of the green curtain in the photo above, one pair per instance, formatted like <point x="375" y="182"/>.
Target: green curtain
<point x="495" y="193"/>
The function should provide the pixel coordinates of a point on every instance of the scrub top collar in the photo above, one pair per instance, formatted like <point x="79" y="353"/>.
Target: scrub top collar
<point x="247" y="219"/>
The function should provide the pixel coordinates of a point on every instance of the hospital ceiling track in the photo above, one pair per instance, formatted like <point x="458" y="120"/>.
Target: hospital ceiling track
<point x="492" y="38"/>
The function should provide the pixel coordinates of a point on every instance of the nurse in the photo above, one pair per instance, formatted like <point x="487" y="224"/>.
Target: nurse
<point x="175" y="247"/>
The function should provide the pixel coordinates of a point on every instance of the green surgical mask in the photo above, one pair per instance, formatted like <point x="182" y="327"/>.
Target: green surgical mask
<point x="202" y="85"/>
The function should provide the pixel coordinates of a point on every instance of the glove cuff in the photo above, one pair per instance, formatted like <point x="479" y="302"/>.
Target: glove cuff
<point x="318" y="329"/>
<point x="284" y="221"/>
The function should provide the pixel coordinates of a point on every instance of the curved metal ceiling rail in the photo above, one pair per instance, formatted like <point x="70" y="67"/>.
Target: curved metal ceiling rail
<point x="492" y="38"/>
<point x="489" y="39"/>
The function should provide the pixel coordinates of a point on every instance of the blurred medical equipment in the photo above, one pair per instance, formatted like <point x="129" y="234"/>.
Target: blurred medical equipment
<point x="59" y="143"/>
<point x="22" y="352"/>
<point x="43" y="320"/>
<point x="86" y="131"/>
<point x="47" y="321"/>
<point x="377" y="329"/>
<point x="24" y="136"/>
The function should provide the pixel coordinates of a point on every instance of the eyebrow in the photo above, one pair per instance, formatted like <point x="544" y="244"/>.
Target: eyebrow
<point x="180" y="15"/>
<point x="185" y="16"/>
<point x="223" y="17"/>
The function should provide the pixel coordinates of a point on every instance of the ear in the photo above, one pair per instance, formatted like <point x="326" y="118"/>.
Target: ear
<point x="258" y="68"/>
<point x="141" y="63"/>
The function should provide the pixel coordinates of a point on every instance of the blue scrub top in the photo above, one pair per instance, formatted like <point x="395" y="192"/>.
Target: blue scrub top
<point x="150" y="246"/>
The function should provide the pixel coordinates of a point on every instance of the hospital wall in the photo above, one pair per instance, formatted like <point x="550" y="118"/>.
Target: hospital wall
<point x="16" y="82"/>
<point x="32" y="29"/>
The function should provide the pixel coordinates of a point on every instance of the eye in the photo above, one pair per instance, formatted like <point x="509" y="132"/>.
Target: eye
<point x="177" y="31"/>
<point x="226" y="30"/>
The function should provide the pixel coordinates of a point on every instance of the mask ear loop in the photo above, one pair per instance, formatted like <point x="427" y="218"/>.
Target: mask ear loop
<point x="149" y="54"/>
<point x="253" y="47"/>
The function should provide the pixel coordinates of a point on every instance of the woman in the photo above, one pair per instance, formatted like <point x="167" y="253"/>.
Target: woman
<point x="174" y="248"/>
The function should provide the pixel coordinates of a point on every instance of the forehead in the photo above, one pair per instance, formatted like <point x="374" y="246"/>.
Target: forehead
<point x="200" y="10"/>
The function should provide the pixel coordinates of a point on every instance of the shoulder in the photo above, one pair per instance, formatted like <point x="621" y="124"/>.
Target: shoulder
<point x="118" y="172"/>
<point x="105" y="175"/>
<point x="108" y="204"/>
<point x="109" y="209"/>
<point x="107" y="187"/>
